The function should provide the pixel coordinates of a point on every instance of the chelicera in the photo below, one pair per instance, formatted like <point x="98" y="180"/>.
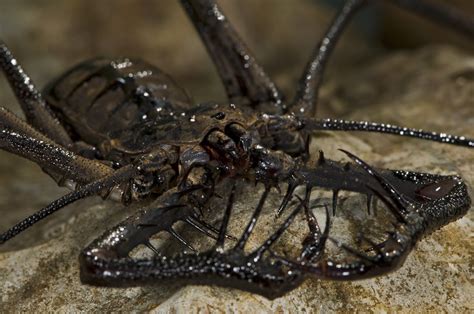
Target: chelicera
<point x="125" y="130"/>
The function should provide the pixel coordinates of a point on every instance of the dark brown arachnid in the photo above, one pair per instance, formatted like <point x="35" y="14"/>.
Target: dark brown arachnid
<point x="123" y="129"/>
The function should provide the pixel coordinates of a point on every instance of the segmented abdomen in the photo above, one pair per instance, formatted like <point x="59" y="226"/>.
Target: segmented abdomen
<point x="102" y="95"/>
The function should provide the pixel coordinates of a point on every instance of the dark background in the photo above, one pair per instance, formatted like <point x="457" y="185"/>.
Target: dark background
<point x="50" y="36"/>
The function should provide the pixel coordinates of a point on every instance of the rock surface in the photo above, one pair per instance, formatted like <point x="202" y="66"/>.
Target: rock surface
<point x="431" y="88"/>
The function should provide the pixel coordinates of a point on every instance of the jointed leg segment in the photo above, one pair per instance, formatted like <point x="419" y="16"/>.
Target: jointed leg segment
<point x="34" y="107"/>
<point x="17" y="137"/>
<point x="306" y="98"/>
<point x="244" y="79"/>
<point x="48" y="151"/>
<point x="106" y="183"/>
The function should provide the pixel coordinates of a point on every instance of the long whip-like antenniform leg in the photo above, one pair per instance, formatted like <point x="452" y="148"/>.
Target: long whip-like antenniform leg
<point x="19" y="138"/>
<point x="244" y="79"/>
<point x="364" y="126"/>
<point x="308" y="125"/>
<point x="92" y="188"/>
<point x="35" y="108"/>
<point x="305" y="101"/>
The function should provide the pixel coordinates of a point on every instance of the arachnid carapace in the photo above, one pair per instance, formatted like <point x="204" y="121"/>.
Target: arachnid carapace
<point x="125" y="130"/>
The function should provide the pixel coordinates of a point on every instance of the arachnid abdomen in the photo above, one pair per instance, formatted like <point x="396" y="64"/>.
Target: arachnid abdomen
<point x="103" y="95"/>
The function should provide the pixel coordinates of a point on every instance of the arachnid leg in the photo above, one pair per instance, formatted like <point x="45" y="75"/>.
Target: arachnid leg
<point x="306" y="98"/>
<point x="244" y="79"/>
<point x="8" y="120"/>
<point x="306" y="125"/>
<point x="106" y="183"/>
<point x="19" y="138"/>
<point x="131" y="180"/>
<point x="35" y="108"/>
<point x="365" y="126"/>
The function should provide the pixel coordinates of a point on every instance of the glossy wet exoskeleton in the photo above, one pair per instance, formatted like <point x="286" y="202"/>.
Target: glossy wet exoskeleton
<point x="125" y="130"/>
